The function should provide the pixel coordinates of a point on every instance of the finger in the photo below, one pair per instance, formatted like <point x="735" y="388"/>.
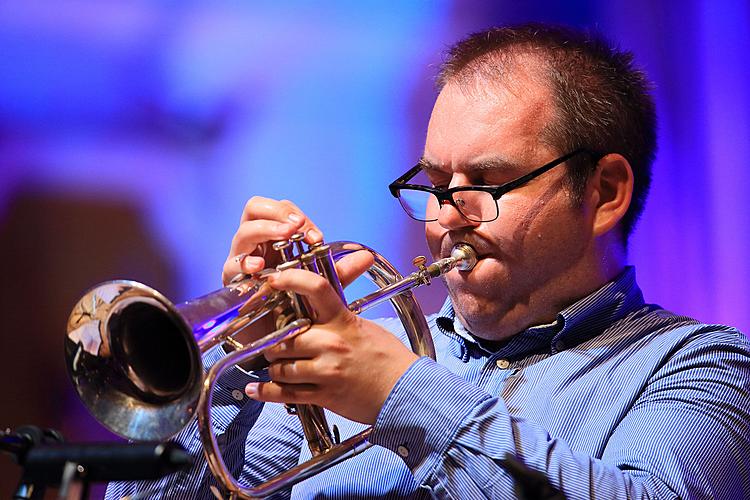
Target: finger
<point x="319" y="292"/>
<point x="249" y="264"/>
<point x="241" y="264"/>
<point x="293" y="371"/>
<point x="351" y="266"/>
<point x="259" y="207"/>
<point x="248" y="251"/>
<point x="272" y="392"/>
<point x="304" y="346"/>
<point x="250" y="234"/>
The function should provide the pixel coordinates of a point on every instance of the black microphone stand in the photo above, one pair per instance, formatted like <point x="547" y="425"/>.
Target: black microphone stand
<point x="48" y="461"/>
<point x="18" y="443"/>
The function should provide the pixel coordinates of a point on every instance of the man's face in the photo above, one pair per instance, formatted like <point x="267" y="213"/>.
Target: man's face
<point x="533" y="254"/>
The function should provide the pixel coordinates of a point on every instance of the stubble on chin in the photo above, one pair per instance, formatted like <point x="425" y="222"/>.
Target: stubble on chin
<point x="472" y="307"/>
<point x="487" y="308"/>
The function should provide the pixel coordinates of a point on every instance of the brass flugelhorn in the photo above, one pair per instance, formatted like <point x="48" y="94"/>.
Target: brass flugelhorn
<point x="135" y="357"/>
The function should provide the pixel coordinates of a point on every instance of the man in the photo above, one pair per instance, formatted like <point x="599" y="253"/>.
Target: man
<point x="546" y="352"/>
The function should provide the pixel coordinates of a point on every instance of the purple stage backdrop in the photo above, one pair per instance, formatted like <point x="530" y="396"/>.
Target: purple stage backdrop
<point x="133" y="132"/>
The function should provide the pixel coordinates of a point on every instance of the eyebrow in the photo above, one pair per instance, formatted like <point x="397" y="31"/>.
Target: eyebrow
<point x="489" y="164"/>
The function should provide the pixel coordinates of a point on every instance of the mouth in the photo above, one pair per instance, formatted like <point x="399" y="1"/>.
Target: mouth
<point x="468" y="257"/>
<point x="481" y="251"/>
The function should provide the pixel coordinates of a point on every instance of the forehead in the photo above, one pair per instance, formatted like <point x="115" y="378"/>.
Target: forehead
<point x="478" y="118"/>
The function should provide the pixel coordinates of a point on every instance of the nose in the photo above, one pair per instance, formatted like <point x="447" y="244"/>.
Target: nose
<point x="450" y="218"/>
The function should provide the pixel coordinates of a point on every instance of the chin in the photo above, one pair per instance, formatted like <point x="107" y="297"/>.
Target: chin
<point x="475" y="307"/>
<point x="476" y="314"/>
<point x="486" y="281"/>
<point x="480" y="297"/>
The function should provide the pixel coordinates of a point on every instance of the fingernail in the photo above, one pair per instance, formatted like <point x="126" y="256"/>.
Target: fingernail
<point x="251" y="263"/>
<point x="294" y="218"/>
<point x="238" y="258"/>
<point x="251" y="390"/>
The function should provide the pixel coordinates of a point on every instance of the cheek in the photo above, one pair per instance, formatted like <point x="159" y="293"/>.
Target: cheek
<point x="434" y="233"/>
<point x="511" y="229"/>
<point x="563" y="235"/>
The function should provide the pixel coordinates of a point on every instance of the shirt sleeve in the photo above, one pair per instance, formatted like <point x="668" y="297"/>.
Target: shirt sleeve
<point x="685" y="436"/>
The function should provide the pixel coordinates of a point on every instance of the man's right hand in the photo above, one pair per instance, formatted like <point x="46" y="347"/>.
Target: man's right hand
<point x="264" y="221"/>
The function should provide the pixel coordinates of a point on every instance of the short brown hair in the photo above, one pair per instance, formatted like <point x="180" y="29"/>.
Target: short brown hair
<point x="603" y="102"/>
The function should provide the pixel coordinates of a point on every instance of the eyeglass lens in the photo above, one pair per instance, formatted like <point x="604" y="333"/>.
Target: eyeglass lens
<point x="477" y="206"/>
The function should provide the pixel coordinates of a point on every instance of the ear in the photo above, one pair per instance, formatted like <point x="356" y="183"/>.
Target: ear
<point x="611" y="189"/>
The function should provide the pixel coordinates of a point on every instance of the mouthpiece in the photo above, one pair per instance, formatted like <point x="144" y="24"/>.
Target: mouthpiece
<point x="463" y="257"/>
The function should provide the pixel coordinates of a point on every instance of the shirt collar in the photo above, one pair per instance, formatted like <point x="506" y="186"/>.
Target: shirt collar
<point x="577" y="323"/>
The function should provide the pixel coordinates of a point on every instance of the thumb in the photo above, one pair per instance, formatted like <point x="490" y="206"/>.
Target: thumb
<point x="352" y="265"/>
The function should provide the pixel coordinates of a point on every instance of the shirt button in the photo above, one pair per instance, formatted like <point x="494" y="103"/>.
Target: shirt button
<point x="559" y="345"/>
<point x="238" y="395"/>
<point x="403" y="451"/>
<point x="502" y="363"/>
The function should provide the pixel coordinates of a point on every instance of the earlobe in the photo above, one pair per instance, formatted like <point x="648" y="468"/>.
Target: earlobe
<point x="612" y="183"/>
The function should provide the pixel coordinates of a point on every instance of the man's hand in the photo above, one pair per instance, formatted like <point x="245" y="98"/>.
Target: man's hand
<point x="344" y="363"/>
<point x="264" y="221"/>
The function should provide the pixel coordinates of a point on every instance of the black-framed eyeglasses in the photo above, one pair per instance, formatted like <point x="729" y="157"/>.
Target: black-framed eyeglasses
<point x="476" y="203"/>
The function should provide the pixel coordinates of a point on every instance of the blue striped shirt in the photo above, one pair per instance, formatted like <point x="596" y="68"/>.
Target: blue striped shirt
<point x="615" y="399"/>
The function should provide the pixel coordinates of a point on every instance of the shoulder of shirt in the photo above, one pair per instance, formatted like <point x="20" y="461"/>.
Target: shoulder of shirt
<point x="685" y="331"/>
<point x="649" y="322"/>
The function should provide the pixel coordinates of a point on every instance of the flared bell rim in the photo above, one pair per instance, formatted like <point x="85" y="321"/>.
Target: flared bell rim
<point x="110" y="388"/>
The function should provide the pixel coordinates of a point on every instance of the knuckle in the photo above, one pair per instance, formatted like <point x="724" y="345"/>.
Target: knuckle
<point x="335" y="370"/>
<point x="356" y="323"/>
<point x="290" y="204"/>
<point x="319" y="367"/>
<point x="243" y="231"/>
<point x="283" y="369"/>
<point x="254" y="200"/>
<point x="334" y="344"/>
<point x="255" y="204"/>
<point x="249" y="204"/>
<point x="289" y="207"/>
<point x="319" y="284"/>
<point x="339" y="346"/>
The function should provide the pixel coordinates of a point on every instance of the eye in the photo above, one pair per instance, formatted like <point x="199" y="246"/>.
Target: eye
<point x="436" y="179"/>
<point x="491" y="179"/>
